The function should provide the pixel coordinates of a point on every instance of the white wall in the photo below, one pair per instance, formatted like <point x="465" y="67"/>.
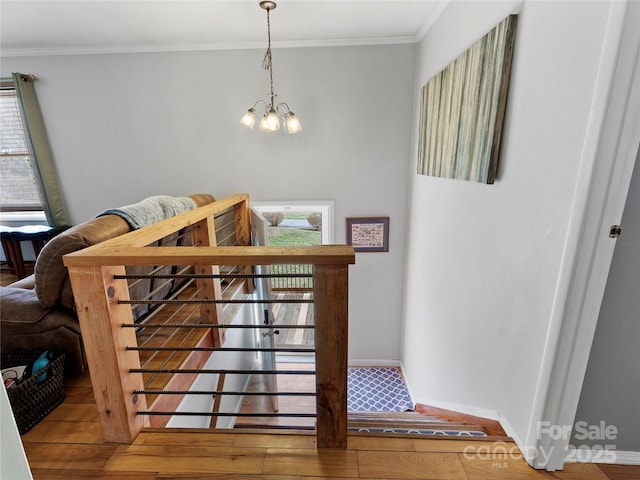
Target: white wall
<point x="234" y="338"/>
<point x="123" y="127"/>
<point x="13" y="461"/>
<point x="484" y="260"/>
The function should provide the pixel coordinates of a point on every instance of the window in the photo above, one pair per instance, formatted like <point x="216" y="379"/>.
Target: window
<point x="296" y="224"/>
<point x="18" y="185"/>
<point x="302" y="212"/>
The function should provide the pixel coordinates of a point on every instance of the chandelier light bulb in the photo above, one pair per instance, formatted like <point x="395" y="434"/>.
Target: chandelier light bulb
<point x="270" y="122"/>
<point x="249" y="118"/>
<point x="292" y="122"/>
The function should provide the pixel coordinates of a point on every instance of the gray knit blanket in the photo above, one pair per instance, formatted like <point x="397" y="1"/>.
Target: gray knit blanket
<point x="151" y="210"/>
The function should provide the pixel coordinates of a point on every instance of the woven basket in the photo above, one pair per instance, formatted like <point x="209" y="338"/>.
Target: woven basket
<point x="31" y="402"/>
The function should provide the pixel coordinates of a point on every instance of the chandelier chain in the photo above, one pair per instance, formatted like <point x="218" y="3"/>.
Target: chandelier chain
<point x="267" y="64"/>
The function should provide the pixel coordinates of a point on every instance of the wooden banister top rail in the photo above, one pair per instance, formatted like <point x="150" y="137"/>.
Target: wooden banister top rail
<point x="153" y="233"/>
<point x="131" y="248"/>
<point x="121" y="255"/>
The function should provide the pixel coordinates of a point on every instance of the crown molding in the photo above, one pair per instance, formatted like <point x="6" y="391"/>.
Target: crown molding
<point x="434" y="14"/>
<point x="168" y="48"/>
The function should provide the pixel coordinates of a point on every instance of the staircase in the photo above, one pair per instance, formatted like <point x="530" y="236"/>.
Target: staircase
<point x="425" y="420"/>
<point x="411" y="423"/>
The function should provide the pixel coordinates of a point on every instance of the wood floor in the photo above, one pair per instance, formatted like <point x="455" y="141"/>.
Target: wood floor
<point x="67" y="445"/>
<point x="293" y="314"/>
<point x="286" y="383"/>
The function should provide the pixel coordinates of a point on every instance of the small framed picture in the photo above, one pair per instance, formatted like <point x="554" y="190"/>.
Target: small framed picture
<point x="368" y="234"/>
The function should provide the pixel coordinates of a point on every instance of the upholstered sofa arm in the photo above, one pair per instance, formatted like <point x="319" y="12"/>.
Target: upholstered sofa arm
<point x="51" y="278"/>
<point x="52" y="284"/>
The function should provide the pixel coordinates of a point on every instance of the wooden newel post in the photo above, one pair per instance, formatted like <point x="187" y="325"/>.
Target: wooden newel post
<point x="101" y="317"/>
<point x="330" y="291"/>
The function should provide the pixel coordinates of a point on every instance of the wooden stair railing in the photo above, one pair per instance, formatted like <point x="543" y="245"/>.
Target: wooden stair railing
<point x="101" y="297"/>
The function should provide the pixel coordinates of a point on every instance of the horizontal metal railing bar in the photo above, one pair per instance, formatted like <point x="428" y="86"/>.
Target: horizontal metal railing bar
<point x="219" y="349"/>
<point x="220" y="371"/>
<point x="221" y="275"/>
<point x="208" y="300"/>
<point x="228" y="414"/>
<point x="140" y="278"/>
<point x="292" y="289"/>
<point x="223" y="392"/>
<point x="213" y="325"/>
<point x="225" y="240"/>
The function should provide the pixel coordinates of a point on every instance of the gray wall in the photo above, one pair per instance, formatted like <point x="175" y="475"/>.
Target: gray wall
<point x="611" y="389"/>
<point x="126" y="126"/>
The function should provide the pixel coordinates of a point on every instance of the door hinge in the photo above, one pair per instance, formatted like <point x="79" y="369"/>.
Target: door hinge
<point x="615" y="231"/>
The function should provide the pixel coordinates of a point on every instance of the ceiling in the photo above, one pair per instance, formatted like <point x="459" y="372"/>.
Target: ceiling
<point x="49" y="27"/>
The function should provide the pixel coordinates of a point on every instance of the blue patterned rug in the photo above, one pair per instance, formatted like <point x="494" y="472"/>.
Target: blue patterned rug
<point x="377" y="389"/>
<point x="419" y="431"/>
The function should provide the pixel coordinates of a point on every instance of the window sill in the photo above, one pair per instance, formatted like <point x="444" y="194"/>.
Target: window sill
<point x="15" y="219"/>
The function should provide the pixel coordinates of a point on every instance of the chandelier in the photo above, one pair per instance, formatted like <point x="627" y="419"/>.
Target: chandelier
<point x="270" y="121"/>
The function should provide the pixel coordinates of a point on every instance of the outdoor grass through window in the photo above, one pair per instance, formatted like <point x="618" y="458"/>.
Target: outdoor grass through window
<point x="293" y="229"/>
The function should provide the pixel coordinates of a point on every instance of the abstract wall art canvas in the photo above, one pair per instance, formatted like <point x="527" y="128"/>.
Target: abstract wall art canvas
<point x="463" y="108"/>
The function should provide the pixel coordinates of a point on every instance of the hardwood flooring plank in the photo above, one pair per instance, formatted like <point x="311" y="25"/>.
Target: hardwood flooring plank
<point x="274" y="441"/>
<point x="311" y="462"/>
<point x="81" y="381"/>
<point x="69" y="456"/>
<point x="176" y="459"/>
<point x="68" y="412"/>
<point x="512" y="467"/>
<point x="224" y="475"/>
<point x="366" y="442"/>
<point x="64" y="432"/>
<point x="331" y="478"/>
<point x="169" y="438"/>
<point x="410" y="465"/>
<point x="621" y="472"/>
<point x="39" y="474"/>
<point x="79" y="395"/>
<point x="579" y="471"/>
<point x="462" y="446"/>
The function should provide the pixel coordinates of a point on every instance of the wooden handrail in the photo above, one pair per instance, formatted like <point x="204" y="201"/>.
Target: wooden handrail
<point x="152" y="233"/>
<point x="126" y="255"/>
<point x="102" y="310"/>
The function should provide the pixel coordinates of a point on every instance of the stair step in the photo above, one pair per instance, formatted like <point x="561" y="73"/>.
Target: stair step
<point x="490" y="427"/>
<point x="394" y="416"/>
<point x="407" y="421"/>
<point x="417" y="426"/>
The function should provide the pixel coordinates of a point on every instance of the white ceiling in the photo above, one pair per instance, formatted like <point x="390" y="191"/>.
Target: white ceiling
<point x="32" y="27"/>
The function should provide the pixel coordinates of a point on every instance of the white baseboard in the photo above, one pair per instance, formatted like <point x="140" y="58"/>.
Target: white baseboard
<point x="373" y="363"/>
